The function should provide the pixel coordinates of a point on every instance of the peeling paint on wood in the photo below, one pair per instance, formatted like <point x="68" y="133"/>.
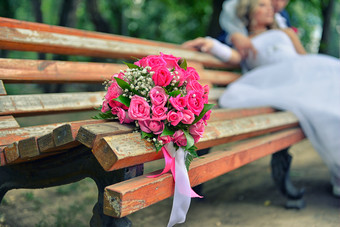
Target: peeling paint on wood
<point x="2" y="88"/>
<point x="114" y="152"/>
<point x="48" y="42"/>
<point x="8" y="122"/>
<point x="29" y="104"/>
<point x="139" y="192"/>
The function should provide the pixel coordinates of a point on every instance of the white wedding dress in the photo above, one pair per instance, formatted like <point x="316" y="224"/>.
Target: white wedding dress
<point x="307" y="85"/>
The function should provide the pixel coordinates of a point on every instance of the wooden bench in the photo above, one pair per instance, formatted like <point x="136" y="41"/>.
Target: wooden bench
<point x="57" y="153"/>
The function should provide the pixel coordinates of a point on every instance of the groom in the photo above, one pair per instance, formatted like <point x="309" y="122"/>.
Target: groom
<point x="234" y="32"/>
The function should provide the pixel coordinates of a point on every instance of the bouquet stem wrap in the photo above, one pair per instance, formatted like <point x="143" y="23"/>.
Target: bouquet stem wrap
<point x="175" y="161"/>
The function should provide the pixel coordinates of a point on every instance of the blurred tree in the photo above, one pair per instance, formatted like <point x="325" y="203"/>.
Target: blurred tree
<point x="36" y="6"/>
<point x="308" y="16"/>
<point x="214" y="28"/>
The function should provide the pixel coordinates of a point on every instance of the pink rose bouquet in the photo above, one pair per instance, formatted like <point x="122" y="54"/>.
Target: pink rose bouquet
<point x="164" y="99"/>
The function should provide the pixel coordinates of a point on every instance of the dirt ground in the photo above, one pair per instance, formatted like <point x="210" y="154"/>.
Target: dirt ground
<point x="244" y="197"/>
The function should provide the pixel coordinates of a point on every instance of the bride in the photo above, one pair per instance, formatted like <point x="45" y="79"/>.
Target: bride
<point x="283" y="76"/>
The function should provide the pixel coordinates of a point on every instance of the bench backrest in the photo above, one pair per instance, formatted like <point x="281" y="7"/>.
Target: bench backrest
<point x="41" y="38"/>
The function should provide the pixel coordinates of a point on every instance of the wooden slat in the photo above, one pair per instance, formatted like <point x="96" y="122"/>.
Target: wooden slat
<point x="59" y="138"/>
<point x="8" y="122"/>
<point x="215" y="94"/>
<point x="114" y="152"/>
<point x="17" y="24"/>
<point x="132" y="195"/>
<point x="88" y="135"/>
<point x="219" y="77"/>
<point x="48" y="42"/>
<point x="8" y="136"/>
<point x="23" y="71"/>
<point x="63" y="136"/>
<point x="49" y="103"/>
<point x="2" y="88"/>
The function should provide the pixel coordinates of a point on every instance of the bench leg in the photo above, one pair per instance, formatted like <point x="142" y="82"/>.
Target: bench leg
<point x="280" y="165"/>
<point x="67" y="167"/>
<point x="103" y="179"/>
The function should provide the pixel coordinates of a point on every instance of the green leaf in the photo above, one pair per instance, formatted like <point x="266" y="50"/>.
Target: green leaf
<point x="206" y="108"/>
<point x="190" y="140"/>
<point x="146" y="135"/>
<point x="106" y="115"/>
<point x="158" y="146"/>
<point x="132" y="66"/>
<point x="174" y="93"/>
<point x="123" y="84"/>
<point x="167" y="131"/>
<point x="122" y="99"/>
<point x="184" y="64"/>
<point x="99" y="108"/>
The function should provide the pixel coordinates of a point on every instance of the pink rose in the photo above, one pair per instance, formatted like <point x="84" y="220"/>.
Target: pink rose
<point x="119" y="75"/>
<point x="165" y="139"/>
<point x="159" y="112"/>
<point x="180" y="75"/>
<point x="194" y="85"/>
<point x="148" y="126"/>
<point x="188" y="117"/>
<point x="179" y="138"/>
<point x="197" y="130"/>
<point x="162" y="76"/>
<point x="158" y="96"/>
<point x="105" y="106"/>
<point x="195" y="102"/>
<point x="171" y="61"/>
<point x="121" y="114"/>
<point x="191" y="74"/>
<point x="114" y="91"/>
<point x="174" y="117"/>
<point x="178" y="102"/>
<point x="113" y="103"/>
<point x="153" y="61"/>
<point x="139" y="109"/>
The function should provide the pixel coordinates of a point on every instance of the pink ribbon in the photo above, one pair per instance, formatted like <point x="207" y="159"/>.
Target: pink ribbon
<point x="170" y="165"/>
<point x="175" y="161"/>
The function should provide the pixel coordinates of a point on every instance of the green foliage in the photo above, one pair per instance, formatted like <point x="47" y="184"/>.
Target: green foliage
<point x="305" y="15"/>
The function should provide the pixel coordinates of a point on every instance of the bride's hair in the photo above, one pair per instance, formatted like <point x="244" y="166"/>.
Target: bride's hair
<point x="245" y="10"/>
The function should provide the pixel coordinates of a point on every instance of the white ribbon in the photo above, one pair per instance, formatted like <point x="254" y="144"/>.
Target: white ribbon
<point x="182" y="196"/>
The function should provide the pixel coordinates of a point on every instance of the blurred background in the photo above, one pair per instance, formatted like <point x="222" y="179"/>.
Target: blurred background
<point x="174" y="21"/>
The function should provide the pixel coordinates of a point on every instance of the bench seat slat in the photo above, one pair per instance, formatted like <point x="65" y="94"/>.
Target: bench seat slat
<point x="8" y="122"/>
<point x="61" y="102"/>
<point x="49" y="103"/>
<point x="132" y="195"/>
<point x="119" y="151"/>
<point x="2" y="88"/>
<point x="42" y="141"/>
<point x="8" y="136"/>
<point x="219" y="77"/>
<point x="90" y="134"/>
